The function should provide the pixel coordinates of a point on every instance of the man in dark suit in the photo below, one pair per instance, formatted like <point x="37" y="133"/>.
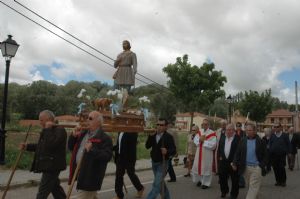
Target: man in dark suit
<point x="240" y="133"/>
<point x="125" y="158"/>
<point x="294" y="141"/>
<point x="280" y="147"/>
<point x="226" y="151"/>
<point x="50" y="156"/>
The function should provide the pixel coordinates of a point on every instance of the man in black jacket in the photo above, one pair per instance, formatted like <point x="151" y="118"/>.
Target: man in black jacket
<point x="49" y="157"/>
<point x="94" y="149"/>
<point x="226" y="151"/>
<point x="250" y="158"/>
<point x="162" y="148"/>
<point x="293" y="137"/>
<point x="280" y="146"/>
<point x="125" y="158"/>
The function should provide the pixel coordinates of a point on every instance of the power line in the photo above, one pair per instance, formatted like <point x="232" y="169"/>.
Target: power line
<point x="91" y="54"/>
<point x="35" y="13"/>
<point x="63" y="30"/>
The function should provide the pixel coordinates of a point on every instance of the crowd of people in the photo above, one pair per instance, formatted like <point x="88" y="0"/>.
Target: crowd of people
<point x="242" y="156"/>
<point x="229" y="152"/>
<point x="91" y="150"/>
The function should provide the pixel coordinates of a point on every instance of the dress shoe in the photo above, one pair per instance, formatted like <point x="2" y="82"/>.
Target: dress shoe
<point x="223" y="195"/>
<point x="171" y="180"/>
<point x="187" y="175"/>
<point x="277" y="184"/>
<point x="140" y="193"/>
<point x="199" y="184"/>
<point x="204" y="187"/>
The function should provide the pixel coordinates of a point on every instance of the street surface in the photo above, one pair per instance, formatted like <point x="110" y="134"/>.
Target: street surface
<point x="183" y="188"/>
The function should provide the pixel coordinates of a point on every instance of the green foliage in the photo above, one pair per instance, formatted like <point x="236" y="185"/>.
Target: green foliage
<point x="219" y="107"/>
<point x="28" y="100"/>
<point x="292" y="108"/>
<point x="195" y="86"/>
<point x="162" y="102"/>
<point x="258" y="105"/>
<point x="277" y="104"/>
<point x="143" y="153"/>
<point x="164" y="105"/>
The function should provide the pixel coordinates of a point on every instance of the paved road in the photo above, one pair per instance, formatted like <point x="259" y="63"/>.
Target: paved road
<point x="183" y="188"/>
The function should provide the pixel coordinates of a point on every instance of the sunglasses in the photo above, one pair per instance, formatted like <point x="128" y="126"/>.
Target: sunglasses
<point x="276" y="126"/>
<point x="160" y="124"/>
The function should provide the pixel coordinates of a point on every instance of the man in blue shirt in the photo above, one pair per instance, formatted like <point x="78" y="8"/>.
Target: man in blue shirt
<point x="250" y="160"/>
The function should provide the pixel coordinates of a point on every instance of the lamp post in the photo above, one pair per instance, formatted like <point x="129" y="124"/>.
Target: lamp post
<point x="229" y="100"/>
<point x="9" y="48"/>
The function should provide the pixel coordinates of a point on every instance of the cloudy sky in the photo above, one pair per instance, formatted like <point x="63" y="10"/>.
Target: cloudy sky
<point x="255" y="43"/>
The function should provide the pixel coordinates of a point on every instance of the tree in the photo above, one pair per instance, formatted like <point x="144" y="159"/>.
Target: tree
<point x="219" y="107"/>
<point x="194" y="86"/>
<point x="164" y="105"/>
<point x="277" y="104"/>
<point x="258" y="105"/>
<point x="33" y="98"/>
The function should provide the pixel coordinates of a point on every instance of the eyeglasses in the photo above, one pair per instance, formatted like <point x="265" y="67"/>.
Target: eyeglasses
<point x="90" y="118"/>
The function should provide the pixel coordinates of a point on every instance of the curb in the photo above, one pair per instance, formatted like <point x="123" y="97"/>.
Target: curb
<point x="33" y="183"/>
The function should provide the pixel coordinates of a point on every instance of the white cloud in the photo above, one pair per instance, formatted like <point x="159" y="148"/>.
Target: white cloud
<point x="37" y="76"/>
<point x="252" y="41"/>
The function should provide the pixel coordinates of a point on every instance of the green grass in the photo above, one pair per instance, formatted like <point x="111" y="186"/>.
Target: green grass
<point x="143" y="153"/>
<point x="16" y="137"/>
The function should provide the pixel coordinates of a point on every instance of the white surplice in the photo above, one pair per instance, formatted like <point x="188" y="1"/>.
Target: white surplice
<point x="204" y="157"/>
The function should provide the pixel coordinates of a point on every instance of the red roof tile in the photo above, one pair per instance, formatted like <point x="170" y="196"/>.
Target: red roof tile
<point x="280" y="112"/>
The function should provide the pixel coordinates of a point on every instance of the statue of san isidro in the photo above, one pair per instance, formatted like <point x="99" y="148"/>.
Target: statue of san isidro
<point x="126" y="64"/>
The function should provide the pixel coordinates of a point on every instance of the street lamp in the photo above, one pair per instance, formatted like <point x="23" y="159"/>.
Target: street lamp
<point x="9" y="49"/>
<point x="229" y="100"/>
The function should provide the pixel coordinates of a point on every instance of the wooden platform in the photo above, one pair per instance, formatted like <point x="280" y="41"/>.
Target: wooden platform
<point x="125" y="122"/>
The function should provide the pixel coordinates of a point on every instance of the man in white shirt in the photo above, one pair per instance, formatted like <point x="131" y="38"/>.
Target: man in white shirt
<point x="227" y="147"/>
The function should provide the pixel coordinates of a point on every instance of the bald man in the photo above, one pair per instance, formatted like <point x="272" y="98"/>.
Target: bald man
<point x="50" y="156"/>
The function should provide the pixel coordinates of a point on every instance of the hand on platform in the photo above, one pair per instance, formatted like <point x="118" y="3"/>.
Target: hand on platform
<point x="49" y="124"/>
<point x="22" y="146"/>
